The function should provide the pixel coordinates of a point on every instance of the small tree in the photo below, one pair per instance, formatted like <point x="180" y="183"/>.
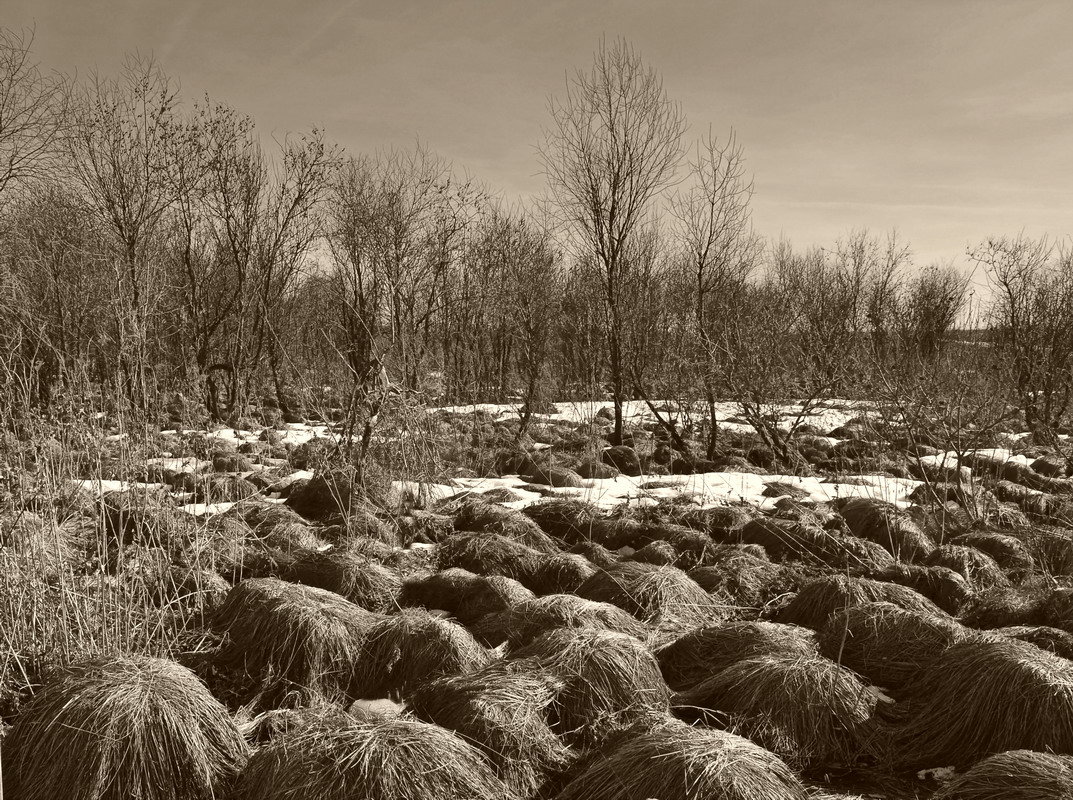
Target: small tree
<point x="1033" y="322"/>
<point x="613" y="146"/>
<point x="802" y="336"/>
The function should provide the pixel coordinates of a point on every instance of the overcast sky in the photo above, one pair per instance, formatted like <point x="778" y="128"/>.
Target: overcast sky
<point x="951" y="120"/>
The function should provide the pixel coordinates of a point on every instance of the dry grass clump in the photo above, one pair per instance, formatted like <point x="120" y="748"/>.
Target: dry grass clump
<point x="855" y="553"/>
<point x="120" y="727"/>
<point x="293" y="637"/>
<point x="817" y="600"/>
<point x="617" y="532"/>
<point x="564" y="519"/>
<point x="223" y="489"/>
<point x="1052" y="550"/>
<point x="975" y="566"/>
<point x="886" y="644"/>
<point x="443" y="590"/>
<point x="673" y="761"/>
<point x="141" y="518"/>
<point x="748" y="579"/>
<point x="944" y="587"/>
<point x="277" y="531"/>
<point x="690" y="659"/>
<point x="787" y="540"/>
<point x="723" y="523"/>
<point x="222" y="545"/>
<point x="361" y="581"/>
<point x="1053" y="640"/>
<point x="396" y="759"/>
<point x="1009" y="552"/>
<point x="489" y="554"/>
<point x="426" y="527"/>
<point x="363" y="523"/>
<point x="561" y="573"/>
<point x="519" y="625"/>
<point x="1004" y="607"/>
<point x="502" y="709"/>
<point x="273" y="723"/>
<point x="600" y="556"/>
<point x="1014" y="775"/>
<point x="806" y="708"/>
<point x="660" y="552"/>
<point x="30" y="541"/>
<point x="608" y="681"/>
<point x="482" y="516"/>
<point x="1057" y="608"/>
<point x="263" y="517"/>
<point x="402" y="651"/>
<point x="691" y="547"/>
<point x="333" y="493"/>
<point x="664" y="596"/>
<point x="985" y="695"/>
<point x="491" y="594"/>
<point x="880" y="522"/>
<point x="463" y="594"/>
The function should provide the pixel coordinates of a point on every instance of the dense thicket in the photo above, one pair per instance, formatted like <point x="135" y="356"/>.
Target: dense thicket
<point x="158" y="254"/>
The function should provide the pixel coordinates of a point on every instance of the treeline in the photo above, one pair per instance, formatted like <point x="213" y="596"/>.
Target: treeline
<point x="152" y="249"/>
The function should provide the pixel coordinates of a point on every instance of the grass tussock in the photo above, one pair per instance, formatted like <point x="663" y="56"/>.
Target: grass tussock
<point x="479" y="516"/>
<point x="293" y="638"/>
<point x="806" y="708"/>
<point x="690" y="659"/>
<point x="502" y="708"/>
<point x="569" y="521"/>
<point x="985" y="695"/>
<point x="399" y="759"/>
<point x="979" y="569"/>
<point x="1014" y="775"/>
<point x="519" y="625"/>
<point x="461" y="593"/>
<point x="887" y="644"/>
<point x="947" y="589"/>
<point x="673" y="761"/>
<point x="402" y="651"/>
<point x="117" y="727"/>
<point x="881" y="523"/>
<point x="1009" y="552"/>
<point x="1053" y="640"/>
<point x="489" y="554"/>
<point x="608" y="681"/>
<point x="561" y="573"/>
<point x="372" y="586"/>
<point x="662" y="596"/>
<point x="817" y="600"/>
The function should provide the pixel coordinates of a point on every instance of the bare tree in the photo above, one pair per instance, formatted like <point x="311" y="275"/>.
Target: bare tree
<point x="802" y="336"/>
<point x="719" y="250"/>
<point x="55" y="263"/>
<point x="118" y="150"/>
<point x="32" y="111"/>
<point x="1033" y="321"/>
<point x="613" y="146"/>
<point x="267" y="224"/>
<point x="928" y="308"/>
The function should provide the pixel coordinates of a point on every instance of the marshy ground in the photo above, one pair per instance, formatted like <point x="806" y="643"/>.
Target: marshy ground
<point x="242" y="613"/>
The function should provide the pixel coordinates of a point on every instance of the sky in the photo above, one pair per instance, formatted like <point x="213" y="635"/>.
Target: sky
<point x="948" y="120"/>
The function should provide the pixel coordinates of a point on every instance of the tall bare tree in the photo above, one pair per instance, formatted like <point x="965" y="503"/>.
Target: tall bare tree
<point x="32" y="110"/>
<point x="614" y="144"/>
<point x="118" y="150"/>
<point x="719" y="250"/>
